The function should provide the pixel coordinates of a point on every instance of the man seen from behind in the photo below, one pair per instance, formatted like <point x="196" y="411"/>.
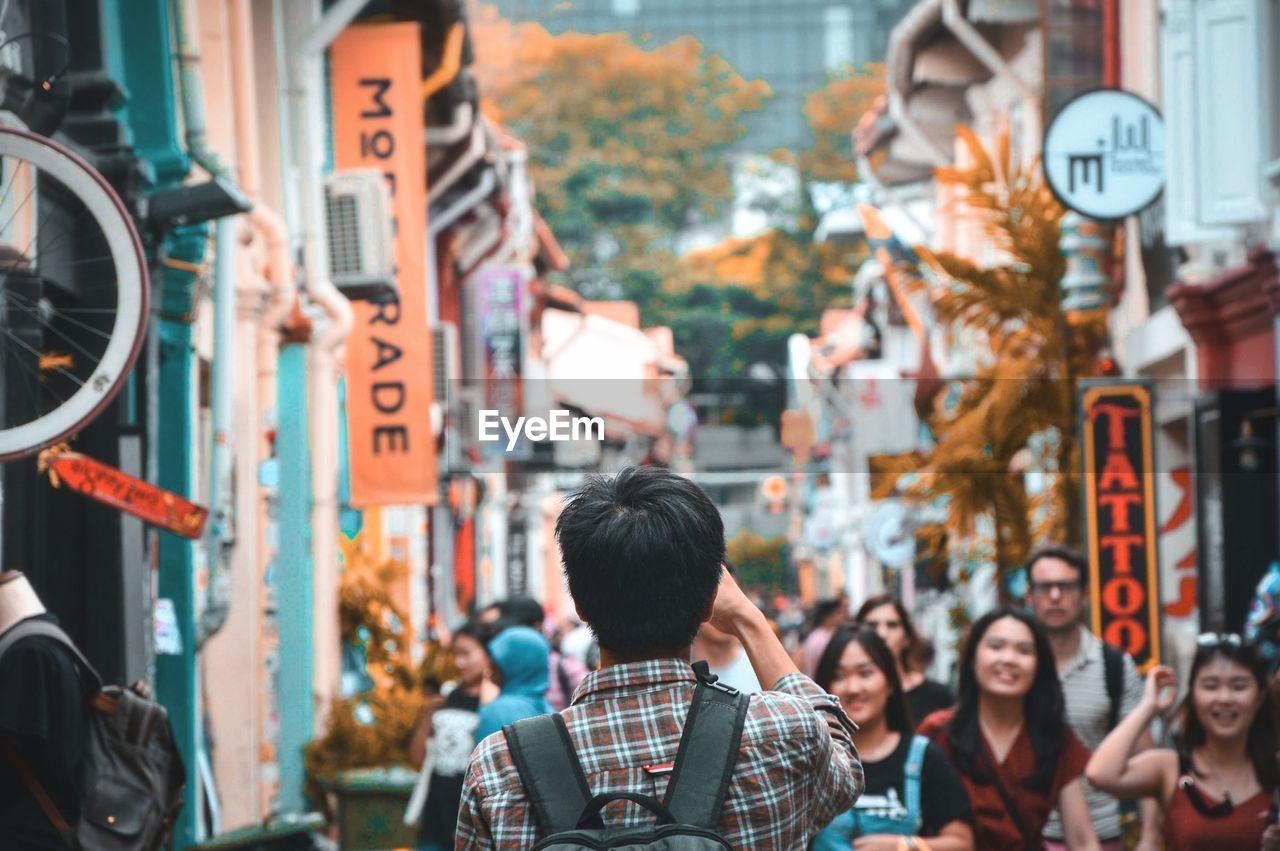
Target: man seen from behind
<point x="643" y="554"/>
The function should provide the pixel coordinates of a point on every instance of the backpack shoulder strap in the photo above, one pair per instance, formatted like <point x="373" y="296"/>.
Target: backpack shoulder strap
<point x="1113" y="671"/>
<point x="708" y="753"/>
<point x="550" y="771"/>
<point x="32" y="627"/>
<point x="914" y="768"/>
<point x="59" y="823"/>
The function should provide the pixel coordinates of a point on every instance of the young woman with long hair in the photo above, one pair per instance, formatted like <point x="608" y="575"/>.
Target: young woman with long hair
<point x="1218" y="786"/>
<point x="889" y="618"/>
<point x="893" y="811"/>
<point x="445" y="735"/>
<point x="1009" y="739"/>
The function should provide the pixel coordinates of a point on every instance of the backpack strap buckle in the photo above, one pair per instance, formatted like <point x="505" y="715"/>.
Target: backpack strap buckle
<point x="703" y="672"/>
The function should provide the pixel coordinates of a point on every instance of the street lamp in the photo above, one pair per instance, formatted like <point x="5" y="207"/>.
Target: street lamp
<point x="1249" y="449"/>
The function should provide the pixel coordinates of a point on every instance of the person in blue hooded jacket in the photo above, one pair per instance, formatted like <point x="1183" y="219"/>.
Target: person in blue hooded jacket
<point x="520" y="654"/>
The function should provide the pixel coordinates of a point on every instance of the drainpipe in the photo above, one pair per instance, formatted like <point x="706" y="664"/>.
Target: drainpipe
<point x="309" y="643"/>
<point x="221" y="532"/>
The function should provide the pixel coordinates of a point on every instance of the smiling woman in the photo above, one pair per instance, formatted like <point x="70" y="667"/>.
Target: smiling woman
<point x="1218" y="786"/>
<point x="1009" y="738"/>
<point x="859" y="668"/>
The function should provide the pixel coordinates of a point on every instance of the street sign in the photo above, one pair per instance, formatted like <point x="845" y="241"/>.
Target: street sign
<point x="774" y="489"/>
<point x="120" y="490"/>
<point x="889" y="537"/>
<point x="1104" y="154"/>
<point x="1118" y="456"/>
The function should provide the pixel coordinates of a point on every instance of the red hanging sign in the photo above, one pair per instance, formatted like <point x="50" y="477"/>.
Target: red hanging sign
<point x="1118" y="456"/>
<point x="120" y="490"/>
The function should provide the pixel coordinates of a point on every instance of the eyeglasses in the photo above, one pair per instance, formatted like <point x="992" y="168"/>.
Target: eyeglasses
<point x="1046" y="589"/>
<point x="1217" y="639"/>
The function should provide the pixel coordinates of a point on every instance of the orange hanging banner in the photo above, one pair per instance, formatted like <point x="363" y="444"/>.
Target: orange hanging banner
<point x="118" y="489"/>
<point x="376" y="74"/>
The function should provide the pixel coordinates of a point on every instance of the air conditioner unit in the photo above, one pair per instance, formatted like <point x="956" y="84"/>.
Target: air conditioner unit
<point x="362" y="251"/>
<point x="446" y="374"/>
<point x="446" y="361"/>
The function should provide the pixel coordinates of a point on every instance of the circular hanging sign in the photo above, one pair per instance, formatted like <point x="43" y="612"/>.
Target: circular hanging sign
<point x="888" y="535"/>
<point x="1104" y="154"/>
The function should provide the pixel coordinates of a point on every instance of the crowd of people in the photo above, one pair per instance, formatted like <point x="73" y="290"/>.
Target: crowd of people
<point x="1046" y="742"/>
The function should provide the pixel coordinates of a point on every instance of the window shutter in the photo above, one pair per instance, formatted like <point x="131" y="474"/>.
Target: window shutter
<point x="1178" y="103"/>
<point x="1232" y="115"/>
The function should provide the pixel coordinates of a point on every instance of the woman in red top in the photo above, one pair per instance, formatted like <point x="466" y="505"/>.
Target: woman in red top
<point x="1217" y="787"/>
<point x="1009" y="739"/>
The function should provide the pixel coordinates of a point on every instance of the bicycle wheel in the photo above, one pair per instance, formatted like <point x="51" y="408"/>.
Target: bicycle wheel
<point x="73" y="293"/>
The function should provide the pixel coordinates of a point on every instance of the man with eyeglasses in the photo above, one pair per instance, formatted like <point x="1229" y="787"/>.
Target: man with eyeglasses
<point x="1101" y="684"/>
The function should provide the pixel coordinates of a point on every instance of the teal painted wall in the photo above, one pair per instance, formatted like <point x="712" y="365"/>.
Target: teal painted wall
<point x="294" y="591"/>
<point x="138" y="38"/>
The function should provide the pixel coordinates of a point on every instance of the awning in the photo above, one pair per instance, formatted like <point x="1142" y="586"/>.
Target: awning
<point x="624" y="312"/>
<point x="604" y="368"/>
<point x="935" y="53"/>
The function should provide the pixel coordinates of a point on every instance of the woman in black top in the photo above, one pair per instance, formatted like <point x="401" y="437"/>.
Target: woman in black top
<point x="895" y="809"/>
<point x="445" y="735"/>
<point x="887" y="616"/>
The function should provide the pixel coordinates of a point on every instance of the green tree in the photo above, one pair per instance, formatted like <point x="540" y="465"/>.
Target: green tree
<point x="626" y="144"/>
<point x="629" y="145"/>
<point x="759" y="561"/>
<point x="735" y="304"/>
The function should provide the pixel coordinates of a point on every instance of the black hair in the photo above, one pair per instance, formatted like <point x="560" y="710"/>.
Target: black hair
<point x="908" y="626"/>
<point x="642" y="555"/>
<point x="1261" y="745"/>
<point x="896" y="712"/>
<point x="1043" y="708"/>
<point x="1072" y="557"/>
<point x="824" y="609"/>
<point x="520" y="610"/>
<point x="479" y="631"/>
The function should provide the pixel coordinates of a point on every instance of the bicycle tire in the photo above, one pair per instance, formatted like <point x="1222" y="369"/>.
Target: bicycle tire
<point x="128" y="330"/>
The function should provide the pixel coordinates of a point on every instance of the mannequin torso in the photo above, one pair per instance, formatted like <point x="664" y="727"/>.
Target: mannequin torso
<point x="17" y="599"/>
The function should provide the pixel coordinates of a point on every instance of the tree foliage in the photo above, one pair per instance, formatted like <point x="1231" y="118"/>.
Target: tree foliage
<point x="759" y="561"/>
<point x="1025" y="389"/>
<point x="370" y="729"/>
<point x="626" y="144"/>
<point x="776" y="283"/>
<point x="630" y="144"/>
<point x="832" y="112"/>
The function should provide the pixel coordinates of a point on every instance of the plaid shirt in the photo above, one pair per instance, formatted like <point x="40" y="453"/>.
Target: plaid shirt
<point x="797" y="768"/>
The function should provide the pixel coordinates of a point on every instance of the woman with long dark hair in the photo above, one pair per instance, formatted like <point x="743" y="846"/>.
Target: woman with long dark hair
<point x="444" y="737"/>
<point x="1009" y="739"/>
<point x="858" y="668"/>
<point x="891" y="621"/>
<point x="1218" y="786"/>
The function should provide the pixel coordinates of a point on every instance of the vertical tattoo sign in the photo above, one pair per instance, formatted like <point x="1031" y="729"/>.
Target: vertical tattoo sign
<point x="1118" y="457"/>
<point x="376" y="73"/>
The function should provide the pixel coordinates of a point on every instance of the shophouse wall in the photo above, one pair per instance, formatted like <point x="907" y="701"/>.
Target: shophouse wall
<point x="233" y="659"/>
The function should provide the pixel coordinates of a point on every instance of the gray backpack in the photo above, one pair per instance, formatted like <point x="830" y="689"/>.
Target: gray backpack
<point x="133" y="773"/>
<point x="687" y="817"/>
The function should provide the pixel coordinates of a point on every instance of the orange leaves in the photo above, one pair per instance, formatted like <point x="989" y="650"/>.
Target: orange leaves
<point x="832" y="112"/>
<point x="620" y="135"/>
<point x="1026" y="353"/>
